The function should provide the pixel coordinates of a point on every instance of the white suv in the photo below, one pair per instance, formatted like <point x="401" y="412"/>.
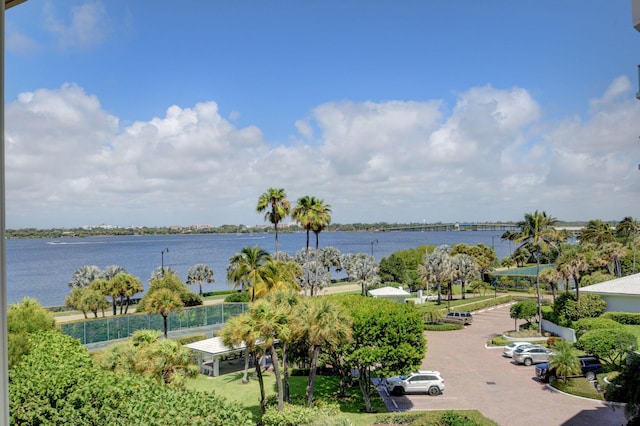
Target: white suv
<point x="427" y="381"/>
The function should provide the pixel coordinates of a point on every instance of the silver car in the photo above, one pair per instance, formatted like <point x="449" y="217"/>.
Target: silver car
<point x="511" y="347"/>
<point x="528" y="355"/>
<point x="427" y="381"/>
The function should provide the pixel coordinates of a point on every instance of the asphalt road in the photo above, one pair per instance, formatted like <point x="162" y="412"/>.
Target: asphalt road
<point x="482" y="379"/>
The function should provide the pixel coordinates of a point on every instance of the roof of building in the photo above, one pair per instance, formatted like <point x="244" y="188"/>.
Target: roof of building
<point x="388" y="291"/>
<point x="629" y="285"/>
<point x="214" y="346"/>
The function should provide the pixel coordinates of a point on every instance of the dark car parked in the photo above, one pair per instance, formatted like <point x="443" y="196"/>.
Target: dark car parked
<point x="589" y="366"/>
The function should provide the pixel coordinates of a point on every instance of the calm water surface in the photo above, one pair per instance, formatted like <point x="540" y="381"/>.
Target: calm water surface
<point x="42" y="268"/>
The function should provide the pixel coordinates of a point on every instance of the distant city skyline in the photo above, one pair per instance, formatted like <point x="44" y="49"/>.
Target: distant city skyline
<point x="126" y="112"/>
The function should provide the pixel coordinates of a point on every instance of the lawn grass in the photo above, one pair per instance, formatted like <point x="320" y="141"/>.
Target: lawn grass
<point x="633" y="329"/>
<point x="578" y="386"/>
<point x="248" y="395"/>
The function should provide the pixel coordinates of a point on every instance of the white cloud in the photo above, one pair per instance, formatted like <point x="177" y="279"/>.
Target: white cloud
<point x="492" y="157"/>
<point x="87" y="27"/>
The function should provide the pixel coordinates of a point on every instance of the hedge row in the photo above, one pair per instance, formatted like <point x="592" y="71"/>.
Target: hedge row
<point x="623" y="317"/>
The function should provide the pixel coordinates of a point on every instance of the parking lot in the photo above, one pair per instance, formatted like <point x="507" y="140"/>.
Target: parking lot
<point x="481" y="379"/>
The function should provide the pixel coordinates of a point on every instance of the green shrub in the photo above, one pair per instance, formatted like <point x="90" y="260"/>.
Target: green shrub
<point x="553" y="340"/>
<point x="443" y="326"/>
<point x="239" y="297"/>
<point x="295" y="415"/>
<point x="623" y="317"/>
<point x="190" y="339"/>
<point x="453" y="418"/>
<point x="586" y="324"/>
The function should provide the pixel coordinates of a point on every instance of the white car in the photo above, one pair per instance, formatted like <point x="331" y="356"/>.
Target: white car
<point x="427" y="381"/>
<point x="508" y="350"/>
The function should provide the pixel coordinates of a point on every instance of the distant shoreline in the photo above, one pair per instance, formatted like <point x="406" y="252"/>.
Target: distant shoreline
<point x="107" y="230"/>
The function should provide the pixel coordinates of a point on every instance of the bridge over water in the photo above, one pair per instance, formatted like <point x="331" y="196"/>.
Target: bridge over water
<point x="457" y="226"/>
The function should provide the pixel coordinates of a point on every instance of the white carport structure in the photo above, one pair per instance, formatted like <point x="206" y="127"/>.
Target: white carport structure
<point x="396" y="294"/>
<point x="213" y="349"/>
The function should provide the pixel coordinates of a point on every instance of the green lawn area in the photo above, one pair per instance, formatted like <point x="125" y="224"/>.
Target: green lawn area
<point x="635" y="330"/>
<point x="248" y="395"/>
<point x="578" y="386"/>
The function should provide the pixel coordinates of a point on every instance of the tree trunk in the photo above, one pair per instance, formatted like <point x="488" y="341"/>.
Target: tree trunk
<point x="164" y="320"/>
<point x="263" y="398"/>
<point x="285" y="368"/>
<point x="462" y="289"/>
<point x="306" y="267"/>
<point x="538" y="293"/>
<point x="245" y="376"/>
<point x="439" y="293"/>
<point x="312" y="375"/>
<point x="364" y="388"/>
<point x="276" y="372"/>
<point x="113" y="300"/>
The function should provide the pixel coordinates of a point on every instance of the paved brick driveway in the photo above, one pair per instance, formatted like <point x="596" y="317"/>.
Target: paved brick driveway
<point x="481" y="379"/>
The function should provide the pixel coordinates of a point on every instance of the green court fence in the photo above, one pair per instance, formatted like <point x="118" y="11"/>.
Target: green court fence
<point x="120" y="327"/>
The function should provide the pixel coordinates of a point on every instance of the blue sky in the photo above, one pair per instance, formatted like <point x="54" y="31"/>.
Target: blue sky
<point x="131" y="113"/>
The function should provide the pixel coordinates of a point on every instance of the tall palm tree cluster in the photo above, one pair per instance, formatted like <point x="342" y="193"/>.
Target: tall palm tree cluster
<point x="442" y="267"/>
<point x="313" y="215"/>
<point x="598" y="254"/>
<point x="286" y="318"/>
<point x="90" y="287"/>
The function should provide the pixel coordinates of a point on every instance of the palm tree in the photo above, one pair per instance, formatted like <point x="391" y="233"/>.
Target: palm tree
<point x="111" y="271"/>
<point x="74" y="300"/>
<point x="363" y="268"/>
<point x="276" y="200"/>
<point x="163" y="302"/>
<point x="107" y="288"/>
<point x="198" y="274"/>
<point x="303" y="214"/>
<point x="321" y="218"/>
<point x="278" y="275"/>
<point x="127" y="285"/>
<point x="573" y="263"/>
<point x="322" y="324"/>
<point x="245" y="268"/>
<point x="537" y="231"/>
<point x="436" y="268"/>
<point x="613" y="252"/>
<point x="467" y="268"/>
<point x="94" y="301"/>
<point x="627" y="229"/>
<point x="597" y="232"/>
<point x="551" y="276"/>
<point x="329" y="257"/>
<point x="84" y="276"/>
<point x="271" y="321"/>
<point x="286" y="301"/>
<point x="565" y="362"/>
<point x="243" y="329"/>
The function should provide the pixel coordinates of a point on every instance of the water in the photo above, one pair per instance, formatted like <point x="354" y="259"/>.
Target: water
<point x="42" y="268"/>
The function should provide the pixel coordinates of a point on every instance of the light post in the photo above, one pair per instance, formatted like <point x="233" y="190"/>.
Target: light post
<point x="162" y="254"/>
<point x="493" y="238"/>
<point x="372" y="243"/>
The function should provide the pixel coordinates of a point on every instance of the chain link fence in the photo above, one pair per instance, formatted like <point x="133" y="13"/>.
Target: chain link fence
<point x="121" y="327"/>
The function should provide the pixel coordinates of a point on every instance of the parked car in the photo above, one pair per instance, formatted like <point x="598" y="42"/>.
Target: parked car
<point x="508" y="350"/>
<point x="528" y="355"/>
<point x="427" y="381"/>
<point x="589" y="366"/>
<point x="460" y="317"/>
